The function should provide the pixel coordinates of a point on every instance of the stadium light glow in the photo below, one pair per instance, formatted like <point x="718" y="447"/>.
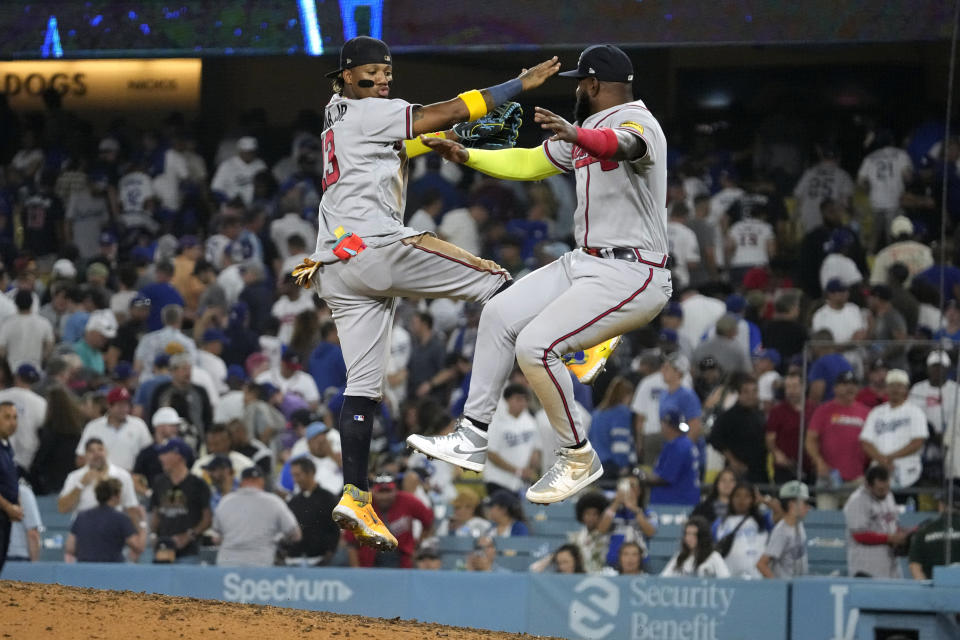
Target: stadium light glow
<point x="51" y="41"/>
<point x="312" y="40"/>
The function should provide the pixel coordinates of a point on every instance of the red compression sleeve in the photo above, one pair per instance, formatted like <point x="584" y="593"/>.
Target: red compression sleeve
<point x="870" y="537"/>
<point x="600" y="143"/>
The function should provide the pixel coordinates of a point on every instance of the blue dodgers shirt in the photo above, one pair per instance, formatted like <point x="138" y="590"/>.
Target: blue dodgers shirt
<point x="678" y="465"/>
<point x="611" y="435"/>
<point x="683" y="401"/>
<point x="828" y="368"/>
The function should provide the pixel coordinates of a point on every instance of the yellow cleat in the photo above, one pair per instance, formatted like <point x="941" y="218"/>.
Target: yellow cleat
<point x="355" y="513"/>
<point x="588" y="364"/>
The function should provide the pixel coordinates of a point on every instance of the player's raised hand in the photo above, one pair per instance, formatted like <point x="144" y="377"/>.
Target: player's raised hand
<point x="562" y="130"/>
<point x="448" y="149"/>
<point x="533" y="78"/>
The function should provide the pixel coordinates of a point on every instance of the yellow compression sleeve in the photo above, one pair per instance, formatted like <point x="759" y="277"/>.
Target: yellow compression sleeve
<point x="513" y="164"/>
<point x="416" y="148"/>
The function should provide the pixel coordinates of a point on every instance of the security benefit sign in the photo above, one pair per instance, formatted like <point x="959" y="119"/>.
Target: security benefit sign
<point x="653" y="608"/>
<point x="87" y="85"/>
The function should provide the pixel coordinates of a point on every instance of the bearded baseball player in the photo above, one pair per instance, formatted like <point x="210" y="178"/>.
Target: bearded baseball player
<point x="617" y="280"/>
<point x="365" y="258"/>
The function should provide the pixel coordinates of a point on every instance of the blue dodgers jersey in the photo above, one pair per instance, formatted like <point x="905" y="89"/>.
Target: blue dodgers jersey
<point x="679" y="465"/>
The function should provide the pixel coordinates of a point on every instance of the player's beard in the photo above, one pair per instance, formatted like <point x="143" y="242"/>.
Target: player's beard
<point x="582" y="109"/>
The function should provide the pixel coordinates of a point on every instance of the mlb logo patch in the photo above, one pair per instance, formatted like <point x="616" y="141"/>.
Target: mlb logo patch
<point x="359" y="418"/>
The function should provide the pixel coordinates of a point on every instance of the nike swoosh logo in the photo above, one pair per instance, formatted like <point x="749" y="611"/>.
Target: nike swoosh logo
<point x="468" y="452"/>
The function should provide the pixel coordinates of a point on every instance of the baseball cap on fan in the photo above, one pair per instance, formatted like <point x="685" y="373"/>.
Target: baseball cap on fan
<point x="604" y="62"/>
<point x="362" y="50"/>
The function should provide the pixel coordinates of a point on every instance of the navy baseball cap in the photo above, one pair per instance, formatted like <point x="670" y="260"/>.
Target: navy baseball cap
<point x="236" y="371"/>
<point x="176" y="445"/>
<point x="362" y="50"/>
<point x="673" y="309"/>
<point x="215" y="335"/>
<point x="218" y="461"/>
<point x="28" y="373"/>
<point x="604" y="62"/>
<point x="108" y="238"/>
<point x="835" y="285"/>
<point x="675" y="419"/>
<point x="251" y="472"/>
<point x="770" y="354"/>
<point x="736" y="303"/>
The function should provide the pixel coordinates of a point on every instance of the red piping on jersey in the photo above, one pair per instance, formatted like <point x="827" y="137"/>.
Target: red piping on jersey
<point x="546" y="150"/>
<point x="466" y="264"/>
<point x="546" y="351"/>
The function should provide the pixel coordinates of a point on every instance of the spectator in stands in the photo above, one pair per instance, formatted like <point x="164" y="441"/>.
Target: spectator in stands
<point x="678" y="398"/>
<point x="696" y="557"/>
<point x="824" y="181"/>
<point x="400" y="511"/>
<point x="27" y="337"/>
<point x="646" y="408"/>
<point x="132" y="330"/>
<point x="190" y="400"/>
<point x="742" y="535"/>
<point x="724" y="347"/>
<point x="293" y="300"/>
<point x="218" y="443"/>
<point x="326" y="362"/>
<point x="630" y="559"/>
<point x="78" y="489"/>
<point x="901" y="298"/>
<point x="428" y="559"/>
<point x="884" y="174"/>
<point x="676" y="476"/>
<point x="785" y="555"/>
<point x="841" y="317"/>
<point x="513" y="449"/>
<point x="484" y="556"/>
<point x="782" y="432"/>
<point x="59" y="435"/>
<point x="895" y="432"/>
<point x="830" y="234"/>
<point x="592" y="540"/>
<point x="872" y="529"/>
<point x="155" y="343"/>
<point x="179" y="506"/>
<point x="329" y="474"/>
<point x="464" y="522"/>
<point x="628" y="519"/>
<point x="838" y="263"/>
<point x="833" y="441"/>
<point x="161" y="293"/>
<point x="123" y="435"/>
<point x="769" y="381"/>
<point x="259" y="453"/>
<point x="937" y="398"/>
<point x="566" y="559"/>
<point x="234" y="177"/>
<point x="505" y="514"/>
<point x="716" y="504"/>
<point x="208" y="357"/>
<point x="31" y="413"/>
<point x="166" y="425"/>
<point x="611" y="429"/>
<point x="875" y="391"/>
<point x="700" y="313"/>
<point x="88" y="209"/>
<point x="99" y="534"/>
<point x="672" y="318"/>
<point x="886" y="323"/>
<point x="750" y="242"/>
<point x="219" y="473"/>
<point x="312" y="505"/>
<point x="784" y="332"/>
<point x="290" y="378"/>
<point x="916" y="256"/>
<point x="927" y="548"/>
<point x="684" y="248"/>
<point x="101" y="327"/>
<point x="25" y="534"/>
<point x="738" y="434"/>
<point x="826" y="367"/>
<point x="706" y="234"/>
<point x="247" y="541"/>
<point x="427" y="358"/>
<point x="257" y="294"/>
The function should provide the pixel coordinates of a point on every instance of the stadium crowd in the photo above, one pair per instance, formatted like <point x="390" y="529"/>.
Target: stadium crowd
<point x="177" y="391"/>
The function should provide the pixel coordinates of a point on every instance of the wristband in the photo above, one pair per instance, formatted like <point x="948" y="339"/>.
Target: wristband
<point x="600" y="143"/>
<point x="504" y="91"/>
<point x="475" y="102"/>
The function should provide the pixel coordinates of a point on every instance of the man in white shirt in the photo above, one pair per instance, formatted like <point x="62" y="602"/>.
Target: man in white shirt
<point x="684" y="248"/>
<point x="289" y="305"/>
<point x="513" y="449"/>
<point x="750" y="243"/>
<point x="31" y="412"/>
<point x="825" y="180"/>
<point x="324" y="455"/>
<point x="425" y="218"/>
<point x="915" y="256"/>
<point x="291" y="224"/>
<point x="843" y="318"/>
<point x="895" y="432"/>
<point x="291" y="378"/>
<point x="234" y="176"/>
<point x="937" y="397"/>
<point x="155" y="342"/>
<point x="884" y="174"/>
<point x="208" y="359"/>
<point x="765" y="364"/>
<point x="700" y="313"/>
<point x="720" y="204"/>
<point x="27" y="337"/>
<point x="462" y="227"/>
<point x="78" y="489"/>
<point x="122" y="434"/>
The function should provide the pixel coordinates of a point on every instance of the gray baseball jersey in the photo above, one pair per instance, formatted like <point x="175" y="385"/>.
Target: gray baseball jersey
<point x="863" y="512"/>
<point x="818" y="183"/>
<point x="364" y="170"/>
<point x="619" y="204"/>
<point x="581" y="300"/>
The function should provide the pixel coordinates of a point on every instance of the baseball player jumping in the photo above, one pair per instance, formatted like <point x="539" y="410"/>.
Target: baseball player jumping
<point x="365" y="258"/>
<point x="616" y="281"/>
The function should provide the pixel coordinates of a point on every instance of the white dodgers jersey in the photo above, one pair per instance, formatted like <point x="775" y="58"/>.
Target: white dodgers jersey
<point x="619" y="204"/>
<point x="364" y="170"/>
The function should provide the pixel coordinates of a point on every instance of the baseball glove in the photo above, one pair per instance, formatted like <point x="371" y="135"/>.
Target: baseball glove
<point x="496" y="130"/>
